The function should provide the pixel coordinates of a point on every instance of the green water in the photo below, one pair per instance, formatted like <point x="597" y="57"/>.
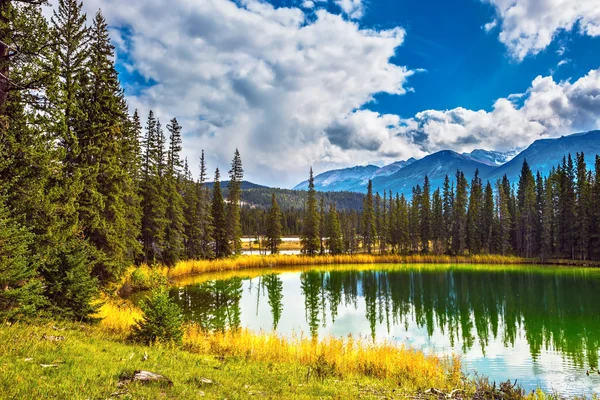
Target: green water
<point x="540" y="325"/>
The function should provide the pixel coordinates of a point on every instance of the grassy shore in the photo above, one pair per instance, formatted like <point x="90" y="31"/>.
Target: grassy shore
<point x="93" y="360"/>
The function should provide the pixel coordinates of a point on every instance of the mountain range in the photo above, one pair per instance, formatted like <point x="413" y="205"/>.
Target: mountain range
<point x="402" y="176"/>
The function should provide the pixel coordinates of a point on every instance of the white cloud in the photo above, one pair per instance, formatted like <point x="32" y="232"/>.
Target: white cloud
<point x="547" y="109"/>
<point x="529" y="26"/>
<point x="308" y="4"/>
<point x="264" y="79"/>
<point x="354" y="9"/>
<point x="490" y="25"/>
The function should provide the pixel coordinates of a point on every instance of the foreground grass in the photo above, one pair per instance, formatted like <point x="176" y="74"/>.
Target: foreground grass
<point x="90" y="362"/>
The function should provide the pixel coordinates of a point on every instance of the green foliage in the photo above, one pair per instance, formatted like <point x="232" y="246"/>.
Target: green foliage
<point x="222" y="246"/>
<point x="334" y="232"/>
<point x="274" y="227"/>
<point x="68" y="282"/>
<point x="234" y="225"/>
<point x="20" y="290"/>
<point x="369" y="231"/>
<point x="162" y="320"/>
<point x="311" y="240"/>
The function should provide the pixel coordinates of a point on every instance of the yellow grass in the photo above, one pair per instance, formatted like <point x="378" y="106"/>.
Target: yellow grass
<point x="196" y="267"/>
<point x="330" y="356"/>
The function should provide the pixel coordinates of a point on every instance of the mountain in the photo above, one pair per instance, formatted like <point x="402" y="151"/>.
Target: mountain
<point x="337" y="180"/>
<point x="493" y="158"/>
<point x="391" y="169"/>
<point x="436" y="166"/>
<point x="352" y="179"/>
<point x="402" y="176"/>
<point x="245" y="185"/>
<point x="543" y="154"/>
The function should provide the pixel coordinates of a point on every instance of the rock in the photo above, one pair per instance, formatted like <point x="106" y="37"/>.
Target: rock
<point x="49" y="365"/>
<point x="52" y="338"/>
<point x="206" y="381"/>
<point x="148" y="377"/>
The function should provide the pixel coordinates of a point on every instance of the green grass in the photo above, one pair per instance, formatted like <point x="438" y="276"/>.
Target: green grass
<point x="91" y="362"/>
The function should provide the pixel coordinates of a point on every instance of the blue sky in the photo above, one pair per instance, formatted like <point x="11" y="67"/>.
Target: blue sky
<point x="335" y="83"/>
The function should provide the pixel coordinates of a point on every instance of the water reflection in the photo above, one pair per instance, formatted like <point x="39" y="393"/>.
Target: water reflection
<point x="551" y="310"/>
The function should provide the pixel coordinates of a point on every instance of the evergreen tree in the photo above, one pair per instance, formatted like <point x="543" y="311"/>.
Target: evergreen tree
<point x="204" y="220"/>
<point x="504" y="218"/>
<point x="310" y="235"/>
<point x="154" y="202"/>
<point x="425" y="215"/>
<point x="174" y="230"/>
<point x="595" y="212"/>
<point x="527" y="213"/>
<point x="474" y="214"/>
<point x="437" y="222"/>
<point x="378" y="219"/>
<point x="583" y="193"/>
<point x="102" y="138"/>
<point x="414" y="218"/>
<point x="459" y="235"/>
<point x="369" y="232"/>
<point x="20" y="289"/>
<point x="404" y="243"/>
<point x="548" y="207"/>
<point x="448" y="204"/>
<point x="322" y="227"/>
<point x="234" y="228"/>
<point x="487" y="219"/>
<point x="220" y="233"/>
<point x="274" y="226"/>
<point x="334" y="232"/>
<point x="162" y="320"/>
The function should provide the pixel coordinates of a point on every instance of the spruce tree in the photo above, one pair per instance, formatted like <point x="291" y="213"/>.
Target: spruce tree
<point x="448" y="204"/>
<point x="174" y="230"/>
<point x="310" y="240"/>
<point x="334" y="232"/>
<point x="459" y="235"/>
<point x="437" y="222"/>
<point x="222" y="245"/>
<point x="425" y="215"/>
<point x="414" y="218"/>
<point x="236" y="176"/>
<point x="369" y="229"/>
<point x="504" y="219"/>
<point x="203" y="213"/>
<point x="274" y="227"/>
<point x="474" y="214"/>
<point x="583" y="193"/>
<point x="488" y="219"/>
<point x="154" y="202"/>
<point x="322" y="227"/>
<point x="548" y="209"/>
<point x="20" y="288"/>
<point x="527" y="212"/>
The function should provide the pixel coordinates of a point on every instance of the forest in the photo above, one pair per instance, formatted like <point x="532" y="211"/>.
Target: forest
<point x="88" y="188"/>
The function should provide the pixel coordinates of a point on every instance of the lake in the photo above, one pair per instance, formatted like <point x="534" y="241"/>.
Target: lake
<point x="539" y="325"/>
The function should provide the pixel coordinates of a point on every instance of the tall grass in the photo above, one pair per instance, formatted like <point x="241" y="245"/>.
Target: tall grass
<point x="195" y="267"/>
<point x="326" y="357"/>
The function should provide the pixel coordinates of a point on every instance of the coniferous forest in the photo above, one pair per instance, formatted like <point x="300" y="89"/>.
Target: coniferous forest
<point x="89" y="187"/>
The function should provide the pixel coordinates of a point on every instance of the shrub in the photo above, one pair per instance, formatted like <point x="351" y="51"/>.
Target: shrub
<point x="162" y="319"/>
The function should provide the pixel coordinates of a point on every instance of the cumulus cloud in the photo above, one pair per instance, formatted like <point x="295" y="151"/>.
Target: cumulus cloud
<point x="529" y="26"/>
<point x="354" y="9"/>
<point x="267" y="80"/>
<point x="547" y="109"/>
<point x="490" y="25"/>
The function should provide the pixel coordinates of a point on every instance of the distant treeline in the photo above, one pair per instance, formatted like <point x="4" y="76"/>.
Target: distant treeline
<point x="554" y="216"/>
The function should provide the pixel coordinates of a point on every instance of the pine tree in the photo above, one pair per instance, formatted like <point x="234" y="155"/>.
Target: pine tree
<point x="322" y="227"/>
<point x="274" y="226"/>
<point x="220" y="232"/>
<point x="154" y="202"/>
<point x="334" y="232"/>
<point x="595" y="212"/>
<point x="20" y="288"/>
<point x="369" y="231"/>
<point x="310" y="234"/>
<point x="548" y="208"/>
<point x="459" y="235"/>
<point x="437" y="222"/>
<point x="404" y="243"/>
<point x="487" y="219"/>
<point x="236" y="176"/>
<point x="425" y="215"/>
<point x="527" y="209"/>
<point x="378" y="219"/>
<point x="504" y="218"/>
<point x="448" y="204"/>
<point x="414" y="218"/>
<point x="174" y="230"/>
<point x="203" y="213"/>
<point x="583" y="193"/>
<point x="474" y="214"/>
<point x="102" y="143"/>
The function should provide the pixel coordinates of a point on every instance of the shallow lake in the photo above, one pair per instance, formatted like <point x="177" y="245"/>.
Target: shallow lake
<point x="539" y="325"/>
